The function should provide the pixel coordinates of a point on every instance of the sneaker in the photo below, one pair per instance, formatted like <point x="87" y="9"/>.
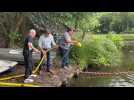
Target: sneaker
<point x="33" y="75"/>
<point x="28" y="80"/>
<point x="69" y="66"/>
<point x="65" y="67"/>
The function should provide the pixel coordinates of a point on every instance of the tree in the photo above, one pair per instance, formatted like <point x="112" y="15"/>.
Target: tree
<point x="10" y="23"/>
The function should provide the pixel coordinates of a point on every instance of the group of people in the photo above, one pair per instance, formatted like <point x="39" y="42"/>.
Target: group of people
<point x="46" y="42"/>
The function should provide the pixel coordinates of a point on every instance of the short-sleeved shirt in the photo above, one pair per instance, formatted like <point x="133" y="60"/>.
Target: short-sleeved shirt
<point x="28" y="39"/>
<point x="46" y="42"/>
<point x="63" y="43"/>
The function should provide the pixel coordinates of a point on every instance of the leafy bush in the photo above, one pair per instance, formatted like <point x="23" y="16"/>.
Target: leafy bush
<point x="117" y="39"/>
<point x="98" y="51"/>
<point x="77" y="55"/>
<point x="15" y="39"/>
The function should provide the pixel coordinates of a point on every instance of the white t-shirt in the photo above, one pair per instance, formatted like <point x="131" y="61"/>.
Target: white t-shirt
<point x="46" y="42"/>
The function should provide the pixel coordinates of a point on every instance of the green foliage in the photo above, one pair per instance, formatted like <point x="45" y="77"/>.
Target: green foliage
<point x="105" y="23"/>
<point x="127" y="37"/>
<point x="116" y="21"/>
<point x="88" y="22"/>
<point x="78" y="57"/>
<point x="98" y="51"/>
<point x="117" y="40"/>
<point x="99" y="22"/>
<point x="131" y="31"/>
<point x="15" y="39"/>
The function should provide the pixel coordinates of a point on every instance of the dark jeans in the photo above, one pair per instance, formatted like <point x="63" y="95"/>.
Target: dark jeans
<point x="65" y="57"/>
<point x="48" y="61"/>
<point x="28" y="63"/>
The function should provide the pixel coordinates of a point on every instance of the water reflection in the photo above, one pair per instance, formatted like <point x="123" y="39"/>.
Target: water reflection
<point x="101" y="81"/>
<point x="124" y="80"/>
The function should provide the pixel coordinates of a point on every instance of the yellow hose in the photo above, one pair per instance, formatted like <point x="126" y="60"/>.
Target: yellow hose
<point x="21" y="75"/>
<point x="17" y="84"/>
<point x="10" y="77"/>
<point x="38" y="66"/>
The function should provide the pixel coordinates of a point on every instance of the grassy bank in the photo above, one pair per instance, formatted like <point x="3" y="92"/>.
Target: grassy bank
<point x="126" y="37"/>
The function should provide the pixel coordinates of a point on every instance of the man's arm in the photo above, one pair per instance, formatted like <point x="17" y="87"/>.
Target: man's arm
<point x="70" y="40"/>
<point x="53" y="43"/>
<point x="43" y="51"/>
<point x="30" y="45"/>
<point x="40" y="45"/>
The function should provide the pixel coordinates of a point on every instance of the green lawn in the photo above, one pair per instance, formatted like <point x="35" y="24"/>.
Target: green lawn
<point x="127" y="37"/>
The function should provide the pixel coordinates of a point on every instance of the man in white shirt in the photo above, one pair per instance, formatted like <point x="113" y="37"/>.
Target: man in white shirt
<point x="46" y="41"/>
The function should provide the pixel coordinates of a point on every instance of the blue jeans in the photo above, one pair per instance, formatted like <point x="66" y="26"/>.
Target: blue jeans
<point x="48" y="61"/>
<point x="65" y="57"/>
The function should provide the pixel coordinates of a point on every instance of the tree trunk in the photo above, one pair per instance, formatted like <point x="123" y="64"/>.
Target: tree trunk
<point x="19" y="24"/>
<point x="83" y="35"/>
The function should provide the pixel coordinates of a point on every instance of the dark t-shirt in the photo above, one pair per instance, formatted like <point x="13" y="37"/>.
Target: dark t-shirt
<point x="27" y="40"/>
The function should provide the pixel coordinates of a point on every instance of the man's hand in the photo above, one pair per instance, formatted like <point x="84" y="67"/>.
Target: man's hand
<point x="56" y="46"/>
<point x="44" y="52"/>
<point x="36" y="50"/>
<point x="75" y="42"/>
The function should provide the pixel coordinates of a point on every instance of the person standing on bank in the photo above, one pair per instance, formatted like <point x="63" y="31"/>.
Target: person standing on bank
<point x="27" y="53"/>
<point x="46" y="41"/>
<point x="65" y="45"/>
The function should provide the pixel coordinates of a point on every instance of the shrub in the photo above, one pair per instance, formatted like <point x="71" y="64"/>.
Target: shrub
<point x="98" y="51"/>
<point x="15" y="39"/>
<point x="117" y="39"/>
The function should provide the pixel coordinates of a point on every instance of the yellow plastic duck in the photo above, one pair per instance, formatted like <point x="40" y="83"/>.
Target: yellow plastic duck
<point x="78" y="44"/>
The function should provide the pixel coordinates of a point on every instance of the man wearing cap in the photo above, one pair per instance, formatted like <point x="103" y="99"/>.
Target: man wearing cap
<point x="65" y="45"/>
<point x="46" y="41"/>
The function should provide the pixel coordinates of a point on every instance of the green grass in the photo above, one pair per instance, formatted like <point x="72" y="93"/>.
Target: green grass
<point x="126" y="37"/>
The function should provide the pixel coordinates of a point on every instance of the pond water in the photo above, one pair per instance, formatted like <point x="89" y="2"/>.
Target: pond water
<point x="125" y="80"/>
<point x="103" y="81"/>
